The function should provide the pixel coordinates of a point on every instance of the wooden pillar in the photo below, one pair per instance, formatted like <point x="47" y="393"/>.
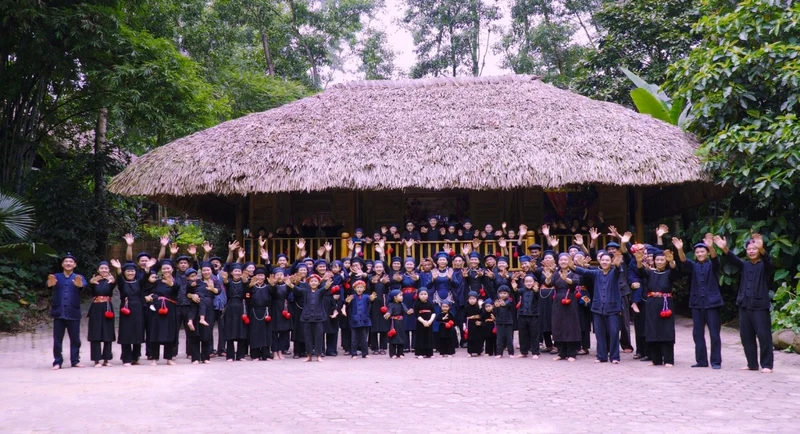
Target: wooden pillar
<point x="639" y="200"/>
<point x="343" y="246"/>
<point x="240" y="219"/>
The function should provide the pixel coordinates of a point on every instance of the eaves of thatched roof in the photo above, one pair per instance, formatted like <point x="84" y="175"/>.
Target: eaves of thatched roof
<point x="465" y="133"/>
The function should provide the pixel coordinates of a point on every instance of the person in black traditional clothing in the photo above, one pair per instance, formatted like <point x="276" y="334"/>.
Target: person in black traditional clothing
<point x="585" y="311"/>
<point x="425" y="315"/>
<point x="236" y="319"/>
<point x="312" y="292"/>
<point x="504" y="322"/>
<point x="207" y="288"/>
<point x="472" y="329"/>
<point x="566" y="314"/>
<point x="546" y="293"/>
<point x="331" y="326"/>
<point x="296" y="306"/>
<point x="101" y="316"/>
<point x="65" y="309"/>
<point x="528" y="315"/>
<point x="379" y="285"/>
<point x="259" y="296"/>
<point x="283" y="317"/>
<point x="357" y="310"/>
<point x="489" y="327"/>
<point x="660" y="323"/>
<point x="131" y="320"/>
<point x="163" y="325"/>
<point x="705" y="299"/>
<point x="395" y="314"/>
<point x="446" y="335"/>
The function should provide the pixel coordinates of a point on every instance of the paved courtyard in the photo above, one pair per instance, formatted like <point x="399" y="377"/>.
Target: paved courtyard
<point x="460" y="394"/>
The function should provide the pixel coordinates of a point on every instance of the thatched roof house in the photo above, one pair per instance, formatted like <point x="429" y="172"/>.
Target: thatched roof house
<point x="490" y="133"/>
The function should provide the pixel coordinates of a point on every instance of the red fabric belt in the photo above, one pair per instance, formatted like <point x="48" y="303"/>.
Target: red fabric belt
<point x="398" y="317"/>
<point x="168" y="299"/>
<point x="101" y="299"/>
<point x="409" y="290"/>
<point x="659" y="294"/>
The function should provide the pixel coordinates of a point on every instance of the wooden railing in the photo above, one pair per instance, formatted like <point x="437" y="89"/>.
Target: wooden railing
<point x="339" y="248"/>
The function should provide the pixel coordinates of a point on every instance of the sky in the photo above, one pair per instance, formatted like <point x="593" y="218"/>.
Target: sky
<point x="402" y="43"/>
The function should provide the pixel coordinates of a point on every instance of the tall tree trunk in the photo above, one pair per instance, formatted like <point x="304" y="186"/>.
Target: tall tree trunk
<point x="100" y="204"/>
<point x="267" y="56"/>
<point x="475" y="37"/>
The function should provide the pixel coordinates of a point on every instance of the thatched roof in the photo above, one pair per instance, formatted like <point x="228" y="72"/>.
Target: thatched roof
<point x="461" y="133"/>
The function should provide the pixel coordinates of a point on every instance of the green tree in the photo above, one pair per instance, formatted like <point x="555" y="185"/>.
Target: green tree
<point x="447" y="35"/>
<point x="641" y="35"/>
<point x="743" y="79"/>
<point x="376" y="56"/>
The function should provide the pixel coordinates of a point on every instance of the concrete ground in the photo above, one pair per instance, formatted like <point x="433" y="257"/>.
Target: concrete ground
<point x="459" y="394"/>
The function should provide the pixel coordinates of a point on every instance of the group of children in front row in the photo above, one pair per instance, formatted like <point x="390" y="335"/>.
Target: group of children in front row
<point x="401" y="305"/>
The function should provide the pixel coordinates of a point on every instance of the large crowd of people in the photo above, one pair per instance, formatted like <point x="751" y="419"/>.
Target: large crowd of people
<point x="308" y="308"/>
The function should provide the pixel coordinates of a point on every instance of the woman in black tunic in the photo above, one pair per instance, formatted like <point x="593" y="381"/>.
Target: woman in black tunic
<point x="312" y="292"/>
<point x="296" y="306"/>
<point x="472" y="314"/>
<point x="131" y="320"/>
<point x="397" y="330"/>
<point x="101" y="316"/>
<point x="282" y="318"/>
<point x="585" y="310"/>
<point x="659" y="321"/>
<point x="425" y="316"/>
<point x="235" y="329"/>
<point x="259" y="299"/>
<point x="546" y="293"/>
<point x="566" y="314"/>
<point x="207" y="289"/>
<point x="331" y="325"/>
<point x="163" y="325"/>
<point x="379" y="285"/>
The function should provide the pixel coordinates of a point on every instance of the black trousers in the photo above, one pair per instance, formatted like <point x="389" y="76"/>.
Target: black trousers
<point x="586" y="328"/>
<point x="528" y="334"/>
<point x="547" y="338"/>
<point x="279" y="341"/>
<point x="359" y="341"/>
<point x="700" y="319"/>
<point x="625" y="324"/>
<point x="330" y="344"/>
<point x="262" y="353"/>
<point x="347" y="340"/>
<point x="155" y="349"/>
<point x="131" y="353"/>
<point x="756" y="324"/>
<point x="474" y="347"/>
<point x="183" y="316"/>
<point x="491" y="344"/>
<point x="235" y="353"/>
<point x="200" y="351"/>
<point x="395" y="350"/>
<point x="378" y="341"/>
<point x="97" y="353"/>
<point x="662" y="352"/>
<point x="314" y="334"/>
<point x="568" y="349"/>
<point x="299" y="348"/>
<point x="505" y="339"/>
<point x="73" y="328"/>
<point x="639" y="327"/>
<point x="220" y="338"/>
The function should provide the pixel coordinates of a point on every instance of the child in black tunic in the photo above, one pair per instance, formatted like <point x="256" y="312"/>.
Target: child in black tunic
<point x="397" y="328"/>
<point x="447" y="331"/>
<point x="260" y="327"/>
<point x="505" y="322"/>
<point x="424" y="311"/>
<point x="473" y="332"/>
<point x="331" y="326"/>
<point x="488" y="327"/>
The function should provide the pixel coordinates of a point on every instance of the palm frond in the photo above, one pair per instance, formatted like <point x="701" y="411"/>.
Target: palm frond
<point x="16" y="217"/>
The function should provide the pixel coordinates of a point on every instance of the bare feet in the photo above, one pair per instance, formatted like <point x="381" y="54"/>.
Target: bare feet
<point x="766" y="371"/>
<point x="598" y="361"/>
<point x="520" y="356"/>
<point x="535" y="356"/>
<point x="319" y="359"/>
<point x="229" y="360"/>
<point x="195" y="362"/>
<point x="127" y="365"/>
<point x="498" y="357"/>
<point x="108" y="364"/>
<point x="615" y="362"/>
<point x="78" y="365"/>
<point x="153" y="363"/>
<point x="308" y="359"/>
<point x="170" y="362"/>
<point x="98" y="365"/>
<point x="557" y="358"/>
<point x="203" y="322"/>
<point x="668" y="365"/>
<point x="206" y="362"/>
<point x="419" y="357"/>
<point x="56" y="367"/>
<point x="745" y="368"/>
<point x="570" y="359"/>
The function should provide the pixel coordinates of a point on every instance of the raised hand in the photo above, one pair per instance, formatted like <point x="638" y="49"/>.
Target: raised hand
<point x="722" y="243"/>
<point x="758" y="239"/>
<point x="502" y="243"/>
<point x="612" y="232"/>
<point x="617" y="261"/>
<point x="503" y="225"/>
<point x="476" y="242"/>
<point x="301" y="243"/>
<point x="261" y="241"/>
<point x="450" y="273"/>
<point x="51" y="280"/>
<point x="677" y="243"/>
<point x="115" y="263"/>
<point x="466" y="249"/>
<point x="546" y="230"/>
<point x="191" y="250"/>
<point x="321" y="251"/>
<point x="625" y="238"/>
<point x="95" y="279"/>
<point x="233" y="245"/>
<point x="328" y="246"/>
<point x="151" y="263"/>
<point x="164" y="240"/>
<point x="264" y="254"/>
<point x="446" y="247"/>
<point x="173" y="249"/>
<point x="349" y="298"/>
<point x="207" y="247"/>
<point x="110" y="279"/>
<point x="578" y="239"/>
<point x="241" y="253"/>
<point x="639" y="255"/>
<point x="523" y="230"/>
<point x="708" y="240"/>
<point x="593" y="234"/>
<point x="552" y="241"/>
<point x="661" y="230"/>
<point x="669" y="256"/>
<point x="128" y="239"/>
<point x="78" y="281"/>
